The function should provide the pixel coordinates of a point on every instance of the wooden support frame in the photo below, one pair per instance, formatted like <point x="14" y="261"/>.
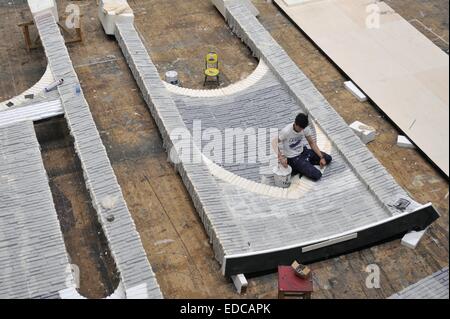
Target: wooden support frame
<point x="30" y="45"/>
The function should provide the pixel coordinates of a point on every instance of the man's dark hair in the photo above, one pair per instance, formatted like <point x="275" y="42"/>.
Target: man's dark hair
<point x="302" y="120"/>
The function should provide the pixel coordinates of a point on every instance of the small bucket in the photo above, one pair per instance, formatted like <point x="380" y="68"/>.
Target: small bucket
<point x="172" y="77"/>
<point x="282" y="176"/>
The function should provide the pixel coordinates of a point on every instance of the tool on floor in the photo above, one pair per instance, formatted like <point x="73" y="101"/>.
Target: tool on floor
<point x="54" y="85"/>
<point x="212" y="68"/>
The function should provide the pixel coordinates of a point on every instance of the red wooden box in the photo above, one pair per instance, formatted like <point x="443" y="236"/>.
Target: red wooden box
<point x="292" y="286"/>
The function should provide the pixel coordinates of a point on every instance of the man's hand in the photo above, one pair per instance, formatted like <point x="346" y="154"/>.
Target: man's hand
<point x="283" y="161"/>
<point x="323" y="163"/>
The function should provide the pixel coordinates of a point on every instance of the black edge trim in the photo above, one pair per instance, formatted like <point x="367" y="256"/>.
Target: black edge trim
<point x="396" y="228"/>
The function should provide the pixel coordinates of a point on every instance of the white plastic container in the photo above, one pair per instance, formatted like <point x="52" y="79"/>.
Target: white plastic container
<point x="282" y="176"/>
<point x="172" y="77"/>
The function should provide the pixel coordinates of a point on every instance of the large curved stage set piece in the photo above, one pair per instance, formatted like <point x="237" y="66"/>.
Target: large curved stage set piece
<point x="256" y="226"/>
<point x="33" y="259"/>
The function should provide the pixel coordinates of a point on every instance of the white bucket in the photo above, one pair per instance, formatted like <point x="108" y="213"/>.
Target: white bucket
<point x="282" y="176"/>
<point x="172" y="77"/>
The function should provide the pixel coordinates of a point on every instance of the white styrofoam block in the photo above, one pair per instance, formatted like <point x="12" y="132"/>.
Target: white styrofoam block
<point x="109" y="17"/>
<point x="403" y="141"/>
<point x="366" y="133"/>
<point x="413" y="238"/>
<point x="353" y="89"/>
<point x="42" y="6"/>
<point x="240" y="282"/>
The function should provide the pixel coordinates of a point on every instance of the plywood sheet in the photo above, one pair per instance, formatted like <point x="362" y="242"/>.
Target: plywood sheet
<point x="401" y="70"/>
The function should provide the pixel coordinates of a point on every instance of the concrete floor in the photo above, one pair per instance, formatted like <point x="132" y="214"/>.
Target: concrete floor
<point x="171" y="231"/>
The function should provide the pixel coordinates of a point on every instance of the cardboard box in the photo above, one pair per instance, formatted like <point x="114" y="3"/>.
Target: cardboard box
<point x="301" y="271"/>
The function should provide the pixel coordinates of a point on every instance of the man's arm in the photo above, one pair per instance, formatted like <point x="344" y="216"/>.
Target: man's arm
<point x="276" y="147"/>
<point x="316" y="150"/>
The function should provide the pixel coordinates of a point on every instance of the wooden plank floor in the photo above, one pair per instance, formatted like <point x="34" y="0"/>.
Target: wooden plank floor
<point x="170" y="229"/>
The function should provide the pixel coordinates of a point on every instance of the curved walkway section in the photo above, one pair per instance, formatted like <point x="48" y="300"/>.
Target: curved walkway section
<point x="250" y="230"/>
<point x="234" y="88"/>
<point x="432" y="287"/>
<point x="33" y="258"/>
<point x="257" y="108"/>
<point x="37" y="90"/>
<point x="42" y="105"/>
<point x="136" y="274"/>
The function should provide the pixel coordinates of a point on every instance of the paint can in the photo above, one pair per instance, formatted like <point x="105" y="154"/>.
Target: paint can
<point x="282" y="176"/>
<point x="172" y="77"/>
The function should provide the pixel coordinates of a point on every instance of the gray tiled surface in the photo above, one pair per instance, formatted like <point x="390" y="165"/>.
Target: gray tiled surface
<point x="31" y="112"/>
<point x="364" y="164"/>
<point x="33" y="257"/>
<point x="240" y="221"/>
<point x="265" y="105"/>
<point x="432" y="287"/>
<point x="43" y="97"/>
<point x="106" y="195"/>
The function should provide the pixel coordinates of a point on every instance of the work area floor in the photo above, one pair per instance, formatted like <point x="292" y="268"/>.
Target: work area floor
<point x="178" y="33"/>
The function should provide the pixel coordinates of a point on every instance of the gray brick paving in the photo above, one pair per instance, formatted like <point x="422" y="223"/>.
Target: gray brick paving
<point x="33" y="257"/>
<point x="106" y="195"/>
<point x="431" y="287"/>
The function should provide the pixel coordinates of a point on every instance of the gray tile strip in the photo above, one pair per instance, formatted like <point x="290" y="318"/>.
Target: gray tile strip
<point x="33" y="258"/>
<point x="432" y="287"/>
<point x="106" y="195"/>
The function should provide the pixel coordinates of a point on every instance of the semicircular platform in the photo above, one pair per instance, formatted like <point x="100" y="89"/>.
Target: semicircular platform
<point x="253" y="225"/>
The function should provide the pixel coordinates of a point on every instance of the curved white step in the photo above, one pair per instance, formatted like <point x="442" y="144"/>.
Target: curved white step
<point x="36" y="90"/>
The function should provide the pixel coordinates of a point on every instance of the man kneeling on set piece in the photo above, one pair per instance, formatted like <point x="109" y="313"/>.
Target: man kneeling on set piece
<point x="292" y="149"/>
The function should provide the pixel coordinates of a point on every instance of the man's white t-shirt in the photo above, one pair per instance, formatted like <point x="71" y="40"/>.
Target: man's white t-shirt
<point x="293" y="142"/>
